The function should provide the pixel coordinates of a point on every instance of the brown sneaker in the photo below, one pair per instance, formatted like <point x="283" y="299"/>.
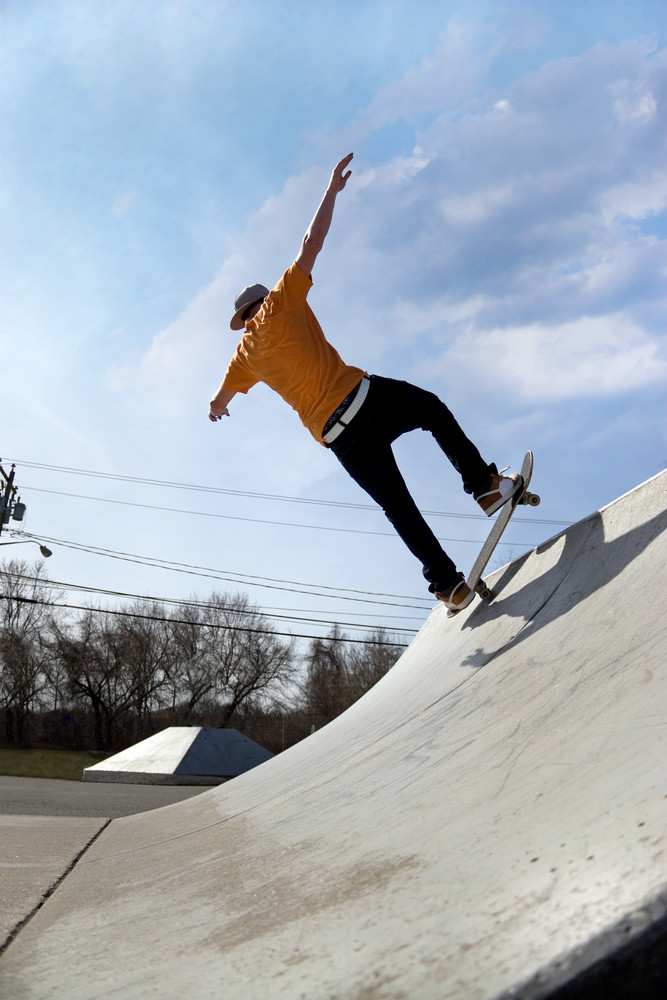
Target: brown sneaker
<point x="457" y="597"/>
<point x="501" y="490"/>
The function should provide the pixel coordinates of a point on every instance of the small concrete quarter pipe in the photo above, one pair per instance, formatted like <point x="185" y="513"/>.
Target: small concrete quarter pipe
<point x="488" y="822"/>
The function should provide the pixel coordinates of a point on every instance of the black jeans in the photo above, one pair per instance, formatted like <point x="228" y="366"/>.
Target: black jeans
<point x="364" y="449"/>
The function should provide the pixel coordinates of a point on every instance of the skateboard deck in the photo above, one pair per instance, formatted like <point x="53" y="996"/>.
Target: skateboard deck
<point x="522" y="496"/>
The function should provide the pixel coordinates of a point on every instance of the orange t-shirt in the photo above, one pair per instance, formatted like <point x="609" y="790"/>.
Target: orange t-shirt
<point x="284" y="347"/>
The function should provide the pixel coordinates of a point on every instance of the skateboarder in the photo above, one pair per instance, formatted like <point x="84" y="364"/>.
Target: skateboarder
<point x="356" y="415"/>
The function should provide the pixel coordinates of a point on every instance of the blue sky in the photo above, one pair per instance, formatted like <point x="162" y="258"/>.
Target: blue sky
<point x="501" y="242"/>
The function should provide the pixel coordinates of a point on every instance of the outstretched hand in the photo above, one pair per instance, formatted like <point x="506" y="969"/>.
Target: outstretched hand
<point x="217" y="408"/>
<point x="339" y="177"/>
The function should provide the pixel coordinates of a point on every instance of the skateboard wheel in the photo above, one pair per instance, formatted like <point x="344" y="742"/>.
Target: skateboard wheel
<point x="533" y="499"/>
<point x="483" y="591"/>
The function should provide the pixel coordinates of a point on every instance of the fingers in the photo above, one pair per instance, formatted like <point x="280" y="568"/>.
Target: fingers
<point x="343" y="163"/>
<point x="339" y="170"/>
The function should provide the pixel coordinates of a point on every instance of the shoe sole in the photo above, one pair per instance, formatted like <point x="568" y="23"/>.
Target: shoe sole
<point x="451" y="611"/>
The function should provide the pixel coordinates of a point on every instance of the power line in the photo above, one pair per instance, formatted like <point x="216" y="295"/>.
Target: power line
<point x="228" y="576"/>
<point x="209" y="625"/>
<point x="206" y="605"/>
<point x="247" y="579"/>
<point x="245" y="493"/>
<point x="250" y="520"/>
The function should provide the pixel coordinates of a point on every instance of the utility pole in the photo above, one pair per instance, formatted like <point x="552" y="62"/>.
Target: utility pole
<point x="11" y="507"/>
<point x="10" y="502"/>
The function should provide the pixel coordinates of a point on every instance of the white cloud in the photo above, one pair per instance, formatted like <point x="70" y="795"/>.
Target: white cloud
<point x="635" y="101"/>
<point x="461" y="210"/>
<point x="441" y="81"/>
<point x="587" y="358"/>
<point x="637" y="198"/>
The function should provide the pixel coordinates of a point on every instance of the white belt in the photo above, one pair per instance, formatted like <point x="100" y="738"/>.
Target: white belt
<point x="350" y="413"/>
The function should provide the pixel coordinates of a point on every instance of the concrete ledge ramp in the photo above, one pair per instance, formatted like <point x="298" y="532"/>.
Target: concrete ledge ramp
<point x="487" y="822"/>
<point x="182" y="755"/>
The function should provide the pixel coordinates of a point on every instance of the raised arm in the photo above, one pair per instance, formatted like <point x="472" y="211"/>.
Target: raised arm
<point x="313" y="241"/>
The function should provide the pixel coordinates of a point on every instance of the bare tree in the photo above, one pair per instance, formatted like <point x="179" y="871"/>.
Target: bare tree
<point x="88" y="653"/>
<point x="190" y="678"/>
<point x="246" y="660"/>
<point x="339" y="672"/>
<point x="126" y="666"/>
<point x="220" y="660"/>
<point x="140" y="641"/>
<point x="25" y="595"/>
<point x="369" y="661"/>
<point x="325" y="687"/>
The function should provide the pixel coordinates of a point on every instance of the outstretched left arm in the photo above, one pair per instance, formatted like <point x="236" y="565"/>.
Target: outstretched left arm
<point x="217" y="408"/>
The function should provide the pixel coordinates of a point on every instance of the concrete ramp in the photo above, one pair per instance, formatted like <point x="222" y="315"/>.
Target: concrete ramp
<point x="182" y="755"/>
<point x="487" y="822"/>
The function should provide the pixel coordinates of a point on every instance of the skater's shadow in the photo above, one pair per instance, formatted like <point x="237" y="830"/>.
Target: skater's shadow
<point x="586" y="563"/>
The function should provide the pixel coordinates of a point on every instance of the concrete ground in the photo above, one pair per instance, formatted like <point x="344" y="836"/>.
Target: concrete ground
<point x="49" y="797"/>
<point x="488" y="823"/>
<point x="46" y="825"/>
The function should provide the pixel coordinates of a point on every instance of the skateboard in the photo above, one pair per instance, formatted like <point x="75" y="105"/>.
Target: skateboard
<point x="522" y="496"/>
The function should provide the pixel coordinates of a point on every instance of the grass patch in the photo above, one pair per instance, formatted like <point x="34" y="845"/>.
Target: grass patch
<point x="66" y="764"/>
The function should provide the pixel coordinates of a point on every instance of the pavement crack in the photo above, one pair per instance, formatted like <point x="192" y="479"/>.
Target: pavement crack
<point x="16" y="930"/>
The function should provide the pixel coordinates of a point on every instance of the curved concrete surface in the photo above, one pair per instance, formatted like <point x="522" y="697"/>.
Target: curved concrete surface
<point x="487" y="822"/>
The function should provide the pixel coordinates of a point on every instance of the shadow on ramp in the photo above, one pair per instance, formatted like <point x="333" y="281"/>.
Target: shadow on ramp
<point x="586" y="562"/>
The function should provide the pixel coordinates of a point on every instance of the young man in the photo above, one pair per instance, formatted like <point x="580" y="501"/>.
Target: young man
<point x="356" y="415"/>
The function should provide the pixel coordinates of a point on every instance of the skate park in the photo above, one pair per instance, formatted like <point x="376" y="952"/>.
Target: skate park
<point x="489" y="821"/>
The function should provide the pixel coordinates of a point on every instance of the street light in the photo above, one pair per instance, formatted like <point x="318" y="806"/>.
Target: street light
<point x="26" y="541"/>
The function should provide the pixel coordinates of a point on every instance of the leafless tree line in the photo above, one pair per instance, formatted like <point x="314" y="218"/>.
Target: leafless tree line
<point x="118" y="675"/>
